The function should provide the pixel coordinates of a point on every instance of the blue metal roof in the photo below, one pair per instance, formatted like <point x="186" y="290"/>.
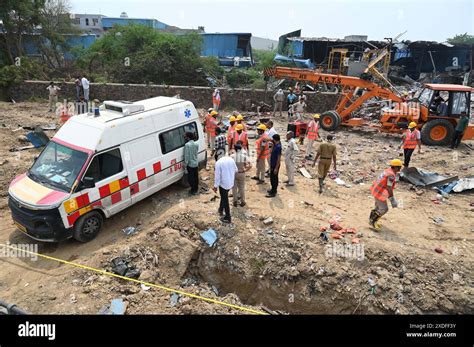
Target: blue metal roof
<point x="243" y="34"/>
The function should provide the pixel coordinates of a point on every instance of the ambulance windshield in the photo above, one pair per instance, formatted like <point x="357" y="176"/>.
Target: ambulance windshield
<point x="58" y="166"/>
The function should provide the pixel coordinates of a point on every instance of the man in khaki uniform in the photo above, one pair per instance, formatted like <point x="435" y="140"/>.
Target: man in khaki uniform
<point x="242" y="161"/>
<point x="53" y="95"/>
<point x="326" y="154"/>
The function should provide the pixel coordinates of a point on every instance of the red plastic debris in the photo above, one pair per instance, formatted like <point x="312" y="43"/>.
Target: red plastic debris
<point x="349" y="231"/>
<point x="323" y="228"/>
<point x="355" y="240"/>
<point x="335" y="225"/>
<point x="336" y="236"/>
<point x="436" y="201"/>
<point x="438" y="250"/>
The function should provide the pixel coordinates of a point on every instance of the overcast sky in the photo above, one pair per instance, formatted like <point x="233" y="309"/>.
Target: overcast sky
<point x="423" y="19"/>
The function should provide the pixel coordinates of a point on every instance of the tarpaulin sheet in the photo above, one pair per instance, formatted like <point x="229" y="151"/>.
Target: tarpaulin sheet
<point x="421" y="178"/>
<point x="303" y="63"/>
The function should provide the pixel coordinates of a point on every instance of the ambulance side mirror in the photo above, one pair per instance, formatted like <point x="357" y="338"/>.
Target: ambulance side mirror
<point x="88" y="182"/>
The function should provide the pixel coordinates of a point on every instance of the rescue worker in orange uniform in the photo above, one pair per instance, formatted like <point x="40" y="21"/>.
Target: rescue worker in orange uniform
<point x="263" y="152"/>
<point x="381" y="190"/>
<point x="230" y="131"/>
<point x="411" y="139"/>
<point x="239" y="135"/>
<point x="240" y="120"/>
<point x="211" y="125"/>
<point x="312" y="134"/>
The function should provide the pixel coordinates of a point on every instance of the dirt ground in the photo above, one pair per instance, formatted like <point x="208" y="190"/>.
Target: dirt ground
<point x="282" y="266"/>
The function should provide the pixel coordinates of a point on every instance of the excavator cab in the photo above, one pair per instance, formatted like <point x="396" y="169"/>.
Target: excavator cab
<point x="436" y="109"/>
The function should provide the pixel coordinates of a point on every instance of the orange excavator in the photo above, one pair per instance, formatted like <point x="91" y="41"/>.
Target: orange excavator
<point x="435" y="116"/>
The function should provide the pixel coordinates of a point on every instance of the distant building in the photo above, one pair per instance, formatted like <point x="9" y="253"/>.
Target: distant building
<point x="264" y="44"/>
<point x="232" y="49"/>
<point x="356" y="38"/>
<point x="429" y="61"/>
<point x="109" y="22"/>
<point x="88" y="23"/>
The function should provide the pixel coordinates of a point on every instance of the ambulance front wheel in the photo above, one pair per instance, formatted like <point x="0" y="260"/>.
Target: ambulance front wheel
<point x="88" y="226"/>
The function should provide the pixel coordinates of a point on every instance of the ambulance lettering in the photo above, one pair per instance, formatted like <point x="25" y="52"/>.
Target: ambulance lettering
<point x="175" y="166"/>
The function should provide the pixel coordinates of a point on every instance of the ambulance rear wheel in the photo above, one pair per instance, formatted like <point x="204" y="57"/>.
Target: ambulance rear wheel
<point x="88" y="226"/>
<point x="330" y="120"/>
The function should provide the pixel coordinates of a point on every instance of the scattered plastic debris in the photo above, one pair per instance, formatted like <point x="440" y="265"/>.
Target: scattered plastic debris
<point x="37" y="137"/>
<point x="174" y="299"/>
<point x="438" y="220"/>
<point x="130" y="230"/>
<point x="210" y="236"/>
<point x="117" y="307"/>
<point x="438" y="250"/>
<point x="305" y="173"/>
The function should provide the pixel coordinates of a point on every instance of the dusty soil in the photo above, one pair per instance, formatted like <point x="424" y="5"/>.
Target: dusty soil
<point x="282" y="266"/>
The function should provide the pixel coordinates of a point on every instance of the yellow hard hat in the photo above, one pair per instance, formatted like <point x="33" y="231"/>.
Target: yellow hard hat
<point x="239" y="117"/>
<point x="239" y="127"/>
<point x="262" y="127"/>
<point x="396" y="162"/>
<point x="412" y="125"/>
<point x="316" y="115"/>
<point x="231" y="119"/>
<point x="214" y="113"/>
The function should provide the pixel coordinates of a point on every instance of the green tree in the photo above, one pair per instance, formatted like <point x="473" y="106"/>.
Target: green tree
<point x="462" y="39"/>
<point x="56" y="28"/>
<point x="140" y="54"/>
<point x="263" y="59"/>
<point x="19" y="17"/>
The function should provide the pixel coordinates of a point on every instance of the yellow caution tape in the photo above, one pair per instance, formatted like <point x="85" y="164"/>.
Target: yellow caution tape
<point x="171" y="290"/>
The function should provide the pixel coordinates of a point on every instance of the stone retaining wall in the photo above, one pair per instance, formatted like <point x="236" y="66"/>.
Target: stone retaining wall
<point x="201" y="96"/>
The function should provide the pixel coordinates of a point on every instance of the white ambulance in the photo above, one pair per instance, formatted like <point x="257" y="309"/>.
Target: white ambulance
<point x="98" y="165"/>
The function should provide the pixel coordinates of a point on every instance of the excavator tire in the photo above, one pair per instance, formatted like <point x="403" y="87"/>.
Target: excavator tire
<point x="437" y="132"/>
<point x="330" y="120"/>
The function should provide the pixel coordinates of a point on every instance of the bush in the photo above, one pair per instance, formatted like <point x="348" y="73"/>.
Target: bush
<point x="139" y="54"/>
<point x="11" y="75"/>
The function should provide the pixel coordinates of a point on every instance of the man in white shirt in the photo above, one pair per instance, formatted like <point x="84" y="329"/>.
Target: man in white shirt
<point x="278" y="98"/>
<point x="85" y="87"/>
<point x="224" y="177"/>
<point x="290" y="158"/>
<point x="298" y="109"/>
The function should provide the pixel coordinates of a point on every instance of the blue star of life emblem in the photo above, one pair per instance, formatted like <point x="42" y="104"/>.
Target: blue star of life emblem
<point x="187" y="113"/>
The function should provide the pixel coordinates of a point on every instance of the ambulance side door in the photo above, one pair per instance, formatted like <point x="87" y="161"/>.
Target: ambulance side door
<point x="172" y="149"/>
<point x="111" y="181"/>
<point x="143" y="160"/>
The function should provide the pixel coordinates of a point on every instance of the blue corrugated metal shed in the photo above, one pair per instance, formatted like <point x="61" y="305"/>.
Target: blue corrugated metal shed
<point x="228" y="45"/>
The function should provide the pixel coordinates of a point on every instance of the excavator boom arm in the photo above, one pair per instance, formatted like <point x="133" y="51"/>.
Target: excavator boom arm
<point x="346" y="82"/>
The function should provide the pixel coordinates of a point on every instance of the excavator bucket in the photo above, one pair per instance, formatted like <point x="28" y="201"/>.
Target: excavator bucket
<point x="469" y="133"/>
